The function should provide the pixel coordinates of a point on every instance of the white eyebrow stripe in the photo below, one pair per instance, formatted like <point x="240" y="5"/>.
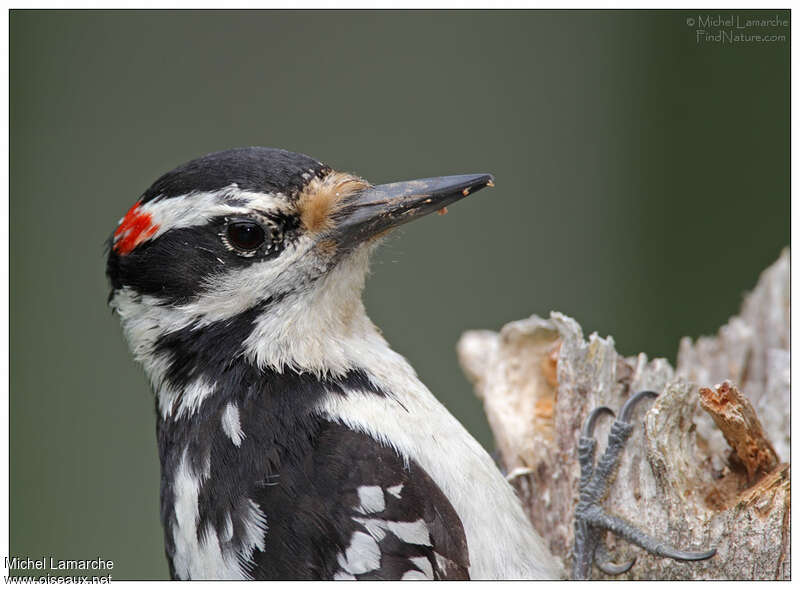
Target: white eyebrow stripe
<point x="198" y="208"/>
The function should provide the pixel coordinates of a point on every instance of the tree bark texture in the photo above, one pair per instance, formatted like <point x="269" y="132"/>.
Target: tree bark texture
<point x="708" y="462"/>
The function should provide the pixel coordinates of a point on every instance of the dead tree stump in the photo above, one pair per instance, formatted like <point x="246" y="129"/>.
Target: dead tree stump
<point x="681" y="478"/>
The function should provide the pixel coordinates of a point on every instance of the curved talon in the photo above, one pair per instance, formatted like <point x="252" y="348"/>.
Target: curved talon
<point x="612" y="569"/>
<point x="622" y="528"/>
<point x="627" y="409"/>
<point x="588" y="424"/>
<point x="606" y="565"/>
<point x="688" y="555"/>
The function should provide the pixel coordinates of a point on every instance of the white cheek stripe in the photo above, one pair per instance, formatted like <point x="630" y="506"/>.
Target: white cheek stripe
<point x="231" y="292"/>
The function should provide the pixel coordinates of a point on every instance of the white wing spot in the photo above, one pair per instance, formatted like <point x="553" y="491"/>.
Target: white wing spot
<point x="415" y="532"/>
<point x="411" y="532"/>
<point x="371" y="498"/>
<point x="424" y="564"/>
<point x="395" y="490"/>
<point x="375" y="527"/>
<point x="362" y="556"/>
<point x="232" y="425"/>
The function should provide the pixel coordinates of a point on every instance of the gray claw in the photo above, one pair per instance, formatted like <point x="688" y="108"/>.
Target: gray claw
<point x="622" y="528"/>
<point x="588" y="424"/>
<point x="607" y="566"/>
<point x="627" y="409"/>
<point x="689" y="555"/>
<point x="590" y="519"/>
<point x="612" y="569"/>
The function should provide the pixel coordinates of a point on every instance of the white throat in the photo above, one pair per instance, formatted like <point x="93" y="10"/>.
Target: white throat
<point x="321" y="330"/>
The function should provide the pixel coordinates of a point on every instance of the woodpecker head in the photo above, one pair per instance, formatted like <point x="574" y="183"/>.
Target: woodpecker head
<point x="266" y="248"/>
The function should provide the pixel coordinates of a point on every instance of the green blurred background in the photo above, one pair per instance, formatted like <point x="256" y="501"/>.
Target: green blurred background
<point x="642" y="185"/>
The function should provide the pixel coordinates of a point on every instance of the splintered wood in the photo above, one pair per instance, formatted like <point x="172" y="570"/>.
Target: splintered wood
<point x="693" y="481"/>
<point x="736" y="418"/>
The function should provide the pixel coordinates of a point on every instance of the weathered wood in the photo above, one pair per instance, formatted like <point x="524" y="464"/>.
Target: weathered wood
<point x="678" y="479"/>
<point x="734" y="416"/>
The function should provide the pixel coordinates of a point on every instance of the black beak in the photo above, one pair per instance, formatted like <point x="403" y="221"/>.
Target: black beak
<point x="377" y="209"/>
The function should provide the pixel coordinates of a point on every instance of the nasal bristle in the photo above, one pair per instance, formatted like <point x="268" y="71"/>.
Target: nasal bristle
<point x="320" y="198"/>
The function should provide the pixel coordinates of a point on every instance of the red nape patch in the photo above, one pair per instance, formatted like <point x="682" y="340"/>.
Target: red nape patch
<point x="134" y="229"/>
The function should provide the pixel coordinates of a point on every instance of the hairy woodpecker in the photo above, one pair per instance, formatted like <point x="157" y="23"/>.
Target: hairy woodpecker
<point x="294" y="442"/>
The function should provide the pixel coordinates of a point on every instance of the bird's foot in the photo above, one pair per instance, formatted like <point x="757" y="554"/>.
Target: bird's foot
<point x="591" y="521"/>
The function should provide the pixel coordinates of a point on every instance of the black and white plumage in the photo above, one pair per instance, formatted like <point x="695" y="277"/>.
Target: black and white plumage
<point x="294" y="442"/>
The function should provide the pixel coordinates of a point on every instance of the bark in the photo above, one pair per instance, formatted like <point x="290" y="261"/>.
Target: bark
<point x="682" y="478"/>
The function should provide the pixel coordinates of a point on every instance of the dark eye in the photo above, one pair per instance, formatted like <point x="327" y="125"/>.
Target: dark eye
<point x="245" y="235"/>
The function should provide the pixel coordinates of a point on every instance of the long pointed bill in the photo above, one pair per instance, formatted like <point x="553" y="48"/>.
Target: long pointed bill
<point x="380" y="208"/>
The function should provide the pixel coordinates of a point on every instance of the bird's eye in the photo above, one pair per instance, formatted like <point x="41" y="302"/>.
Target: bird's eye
<point x="245" y="235"/>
